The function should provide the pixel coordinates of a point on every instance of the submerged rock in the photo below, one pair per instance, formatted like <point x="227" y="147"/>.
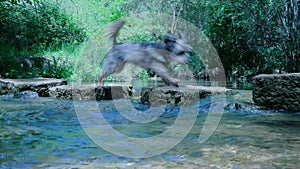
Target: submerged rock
<point x="26" y="94"/>
<point x="277" y="91"/>
<point x="39" y="85"/>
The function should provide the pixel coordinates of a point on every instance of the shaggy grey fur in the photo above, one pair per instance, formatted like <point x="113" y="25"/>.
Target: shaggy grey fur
<point x="149" y="55"/>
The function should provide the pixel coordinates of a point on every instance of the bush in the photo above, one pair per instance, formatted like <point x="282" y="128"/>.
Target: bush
<point x="34" y="26"/>
<point x="52" y="66"/>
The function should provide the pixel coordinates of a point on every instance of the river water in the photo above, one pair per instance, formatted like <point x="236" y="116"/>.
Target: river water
<point x="46" y="133"/>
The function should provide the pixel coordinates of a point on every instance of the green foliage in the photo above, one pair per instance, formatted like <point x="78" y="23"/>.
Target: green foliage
<point x="251" y="37"/>
<point x="20" y="1"/>
<point x="28" y="67"/>
<point x="36" y="25"/>
<point x="195" y="64"/>
<point x="261" y="37"/>
<point x="94" y="14"/>
<point x="143" y="75"/>
<point x="58" y="67"/>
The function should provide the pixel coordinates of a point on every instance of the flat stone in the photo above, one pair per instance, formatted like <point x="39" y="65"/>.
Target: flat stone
<point x="39" y="85"/>
<point x="90" y="92"/>
<point x="277" y="91"/>
<point x="182" y="95"/>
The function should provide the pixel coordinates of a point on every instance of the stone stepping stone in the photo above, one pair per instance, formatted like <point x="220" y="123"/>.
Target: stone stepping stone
<point x="180" y="95"/>
<point x="39" y="85"/>
<point x="153" y="95"/>
<point x="277" y="91"/>
<point x="90" y="92"/>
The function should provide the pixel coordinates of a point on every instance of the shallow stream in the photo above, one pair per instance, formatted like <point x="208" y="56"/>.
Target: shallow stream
<point x="46" y="133"/>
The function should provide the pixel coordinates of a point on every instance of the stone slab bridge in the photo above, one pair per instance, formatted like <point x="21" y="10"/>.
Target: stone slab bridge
<point x="154" y="95"/>
<point x="58" y="88"/>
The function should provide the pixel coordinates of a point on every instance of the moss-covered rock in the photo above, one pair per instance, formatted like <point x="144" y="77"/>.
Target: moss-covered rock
<point x="277" y="91"/>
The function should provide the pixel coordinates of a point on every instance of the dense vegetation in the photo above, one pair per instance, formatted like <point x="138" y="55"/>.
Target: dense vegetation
<point x="34" y="25"/>
<point x="34" y="28"/>
<point x="251" y="37"/>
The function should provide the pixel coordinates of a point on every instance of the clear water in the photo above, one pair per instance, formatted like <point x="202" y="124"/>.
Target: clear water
<point x="45" y="133"/>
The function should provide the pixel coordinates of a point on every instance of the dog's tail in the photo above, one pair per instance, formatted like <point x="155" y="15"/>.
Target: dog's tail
<point x="113" y="29"/>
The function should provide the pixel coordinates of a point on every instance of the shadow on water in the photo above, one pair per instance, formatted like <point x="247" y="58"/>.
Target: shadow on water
<point x="45" y="133"/>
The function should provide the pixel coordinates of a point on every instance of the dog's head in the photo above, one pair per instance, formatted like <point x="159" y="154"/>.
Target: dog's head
<point x="178" y="47"/>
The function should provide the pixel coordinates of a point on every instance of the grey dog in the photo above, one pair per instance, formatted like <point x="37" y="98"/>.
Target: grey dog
<point x="149" y="55"/>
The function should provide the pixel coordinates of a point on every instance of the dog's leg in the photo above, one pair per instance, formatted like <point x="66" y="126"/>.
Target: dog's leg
<point x="112" y="63"/>
<point x="108" y="69"/>
<point x="101" y="77"/>
<point x="163" y="73"/>
<point x="171" y="81"/>
<point x="120" y="67"/>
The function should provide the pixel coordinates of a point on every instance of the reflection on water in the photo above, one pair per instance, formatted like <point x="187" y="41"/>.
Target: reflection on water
<point x="45" y="133"/>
